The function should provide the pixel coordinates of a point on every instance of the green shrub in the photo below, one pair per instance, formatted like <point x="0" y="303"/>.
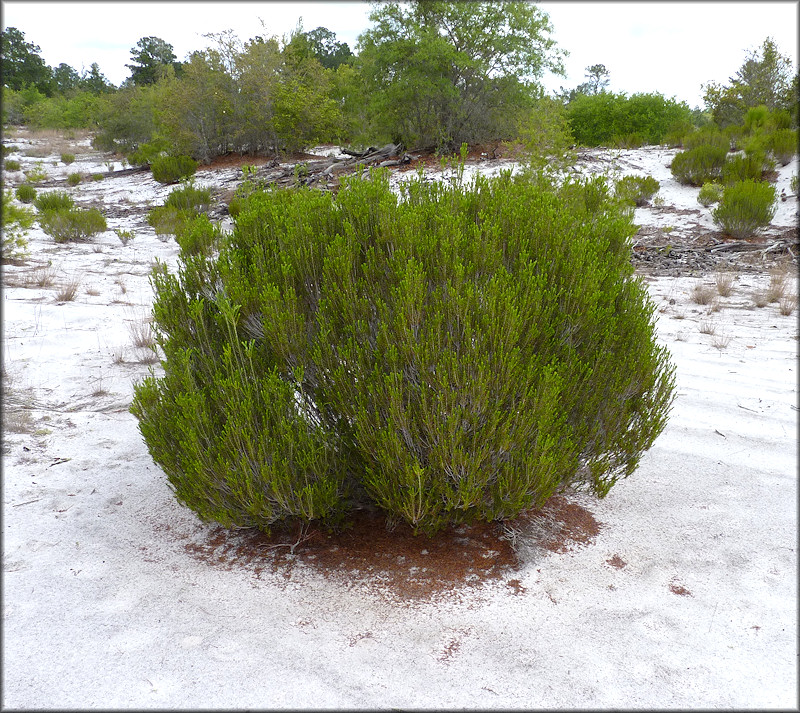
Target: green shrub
<point x="600" y="119"/>
<point x="74" y="179"/>
<point x="197" y="235"/>
<point x="67" y="158"/>
<point x="637" y="190"/>
<point x="168" y="220"/>
<point x="72" y="224"/>
<point x="15" y="221"/>
<point x="793" y="184"/>
<point x="26" y="193"/>
<point x="97" y="176"/>
<point x="11" y="164"/>
<point x="744" y="167"/>
<point x="756" y="118"/>
<point x="700" y="164"/>
<point x="189" y="197"/>
<point x="171" y="169"/>
<point x="707" y="136"/>
<point x="55" y="200"/>
<point x="782" y="144"/>
<point x="450" y="355"/>
<point x="710" y="193"/>
<point x="147" y="152"/>
<point x="36" y="174"/>
<point x="745" y="208"/>
<point x="677" y="133"/>
<point x="633" y="140"/>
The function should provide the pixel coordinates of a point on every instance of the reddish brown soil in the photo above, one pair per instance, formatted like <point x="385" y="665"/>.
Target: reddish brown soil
<point x="396" y="563"/>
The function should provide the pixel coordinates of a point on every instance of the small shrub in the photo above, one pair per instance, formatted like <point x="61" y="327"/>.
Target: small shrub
<point x="637" y="190"/>
<point x="26" y="193"/>
<point x="11" y="165"/>
<point x="745" y="208"/>
<point x="37" y="174"/>
<point x="146" y="153"/>
<point x="756" y="118"/>
<point x="189" y="198"/>
<point x="452" y="354"/>
<point x="74" y="179"/>
<point x="125" y="236"/>
<point x="72" y="224"/>
<point x="742" y="168"/>
<point x="15" y="222"/>
<point x="707" y="327"/>
<point x="197" y="236"/>
<point x="710" y="136"/>
<point x="760" y="298"/>
<point x="171" y="169"/>
<point x="67" y="158"/>
<point x="699" y="165"/>
<point x="777" y="286"/>
<point x="167" y="220"/>
<point x="55" y="200"/>
<point x="629" y="141"/>
<point x="97" y="176"/>
<point x="782" y="144"/>
<point x="710" y="193"/>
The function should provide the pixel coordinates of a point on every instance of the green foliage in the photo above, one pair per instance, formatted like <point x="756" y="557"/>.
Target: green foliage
<point x="605" y="118"/>
<point x="72" y="224"/>
<point x="22" y="65"/>
<point x="745" y="208"/>
<point x="545" y="134"/>
<point x="782" y="144"/>
<point x="78" y="111"/>
<point x="707" y="136"/>
<point x="455" y="354"/>
<point x="189" y="197"/>
<point x="11" y="164"/>
<point x="438" y="74"/>
<point x="54" y="200"/>
<point x="765" y="78"/>
<point x="749" y="166"/>
<point x="636" y="190"/>
<point x="698" y="165"/>
<point x="15" y="222"/>
<point x="73" y="179"/>
<point x="147" y="152"/>
<point x="710" y="193"/>
<point x="171" y="169"/>
<point x="36" y="174"/>
<point x="150" y="59"/>
<point x="197" y="235"/>
<point x="26" y="193"/>
<point x="793" y="184"/>
<point x="68" y="158"/>
<point x="167" y="220"/>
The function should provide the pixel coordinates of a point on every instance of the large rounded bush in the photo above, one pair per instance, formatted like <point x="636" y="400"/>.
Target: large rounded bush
<point x="452" y="354"/>
<point x="171" y="169"/>
<point x="745" y="208"/>
<point x="700" y="164"/>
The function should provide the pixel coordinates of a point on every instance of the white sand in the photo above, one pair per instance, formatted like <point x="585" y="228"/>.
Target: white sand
<point x="104" y="606"/>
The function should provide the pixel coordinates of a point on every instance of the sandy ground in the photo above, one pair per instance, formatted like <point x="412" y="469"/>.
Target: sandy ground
<point x="114" y="596"/>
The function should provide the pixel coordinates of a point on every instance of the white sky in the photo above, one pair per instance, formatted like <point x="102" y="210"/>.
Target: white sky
<point x="671" y="47"/>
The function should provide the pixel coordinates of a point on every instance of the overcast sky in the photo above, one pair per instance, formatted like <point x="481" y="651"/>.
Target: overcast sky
<point x="667" y="47"/>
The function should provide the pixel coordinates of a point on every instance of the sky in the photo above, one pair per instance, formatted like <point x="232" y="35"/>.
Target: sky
<point x="672" y="48"/>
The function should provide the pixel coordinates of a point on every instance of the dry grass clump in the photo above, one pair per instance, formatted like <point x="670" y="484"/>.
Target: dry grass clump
<point x="142" y="333"/>
<point x="69" y="291"/>
<point x="777" y="285"/>
<point x="760" y="298"/>
<point x="707" y="327"/>
<point x="787" y="305"/>
<point x="702" y="294"/>
<point x="724" y="280"/>
<point x="721" y="341"/>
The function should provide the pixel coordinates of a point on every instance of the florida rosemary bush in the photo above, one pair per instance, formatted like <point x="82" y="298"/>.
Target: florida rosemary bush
<point x="700" y="164"/>
<point x="171" y="169"/>
<point x="72" y="224"/>
<point x="452" y="354"/>
<point x="636" y="190"/>
<point x="745" y="208"/>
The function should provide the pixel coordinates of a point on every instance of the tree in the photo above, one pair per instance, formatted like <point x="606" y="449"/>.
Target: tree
<point x="764" y="79"/>
<point x="151" y="56"/>
<point x="330" y="52"/>
<point x="94" y="81"/>
<point x="21" y="64"/>
<point x="441" y="73"/>
<point x="598" y="78"/>
<point x="65" y="78"/>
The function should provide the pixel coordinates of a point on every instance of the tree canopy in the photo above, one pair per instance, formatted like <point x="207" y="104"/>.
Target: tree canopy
<point x="442" y="73"/>
<point x="151" y="56"/>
